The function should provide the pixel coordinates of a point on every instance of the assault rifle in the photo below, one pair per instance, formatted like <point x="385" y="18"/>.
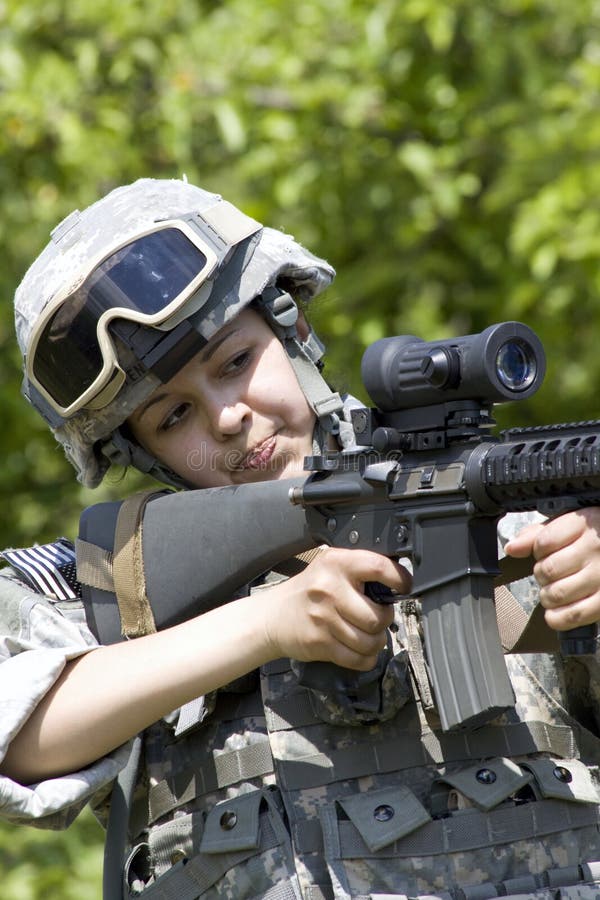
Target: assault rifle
<point x="427" y="481"/>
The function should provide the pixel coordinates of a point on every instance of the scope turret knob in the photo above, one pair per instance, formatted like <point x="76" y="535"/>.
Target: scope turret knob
<point x="441" y="367"/>
<point x="434" y="368"/>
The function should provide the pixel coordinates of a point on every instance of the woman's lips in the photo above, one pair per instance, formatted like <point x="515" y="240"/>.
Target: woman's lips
<point x="259" y="456"/>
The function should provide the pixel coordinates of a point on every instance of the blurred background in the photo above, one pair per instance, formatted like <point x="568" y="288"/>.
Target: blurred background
<point x="444" y="155"/>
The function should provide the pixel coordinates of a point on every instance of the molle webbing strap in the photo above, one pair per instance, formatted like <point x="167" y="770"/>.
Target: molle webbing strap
<point x="191" y="880"/>
<point x="512" y="618"/>
<point x="318" y="892"/>
<point x="520" y="632"/>
<point x="463" y="834"/>
<point x="308" y="833"/>
<point x="136" y="614"/>
<point x="364" y="759"/>
<point x="231" y="767"/>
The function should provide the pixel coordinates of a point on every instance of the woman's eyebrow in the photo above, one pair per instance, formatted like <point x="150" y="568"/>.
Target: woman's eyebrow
<point x="203" y="356"/>
<point x="143" y="408"/>
<point x="214" y="344"/>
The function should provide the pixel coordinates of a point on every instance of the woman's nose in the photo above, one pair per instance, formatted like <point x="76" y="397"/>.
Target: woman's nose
<point x="229" y="418"/>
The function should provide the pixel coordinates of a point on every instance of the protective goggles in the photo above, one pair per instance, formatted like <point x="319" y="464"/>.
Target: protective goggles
<point x="155" y="280"/>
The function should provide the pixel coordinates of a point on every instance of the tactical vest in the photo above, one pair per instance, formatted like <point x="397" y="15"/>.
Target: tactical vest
<point x="272" y="794"/>
<point x="270" y="789"/>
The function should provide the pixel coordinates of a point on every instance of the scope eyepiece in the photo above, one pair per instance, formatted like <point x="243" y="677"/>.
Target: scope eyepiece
<point x="504" y="362"/>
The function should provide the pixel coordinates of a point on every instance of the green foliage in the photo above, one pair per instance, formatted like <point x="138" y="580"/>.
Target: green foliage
<point x="42" y="865"/>
<point x="441" y="153"/>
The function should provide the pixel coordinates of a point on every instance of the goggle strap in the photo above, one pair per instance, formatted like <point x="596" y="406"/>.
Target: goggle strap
<point x="173" y="351"/>
<point x="39" y="402"/>
<point x="223" y="290"/>
<point x="69" y="227"/>
<point x="229" y="224"/>
<point x="161" y="352"/>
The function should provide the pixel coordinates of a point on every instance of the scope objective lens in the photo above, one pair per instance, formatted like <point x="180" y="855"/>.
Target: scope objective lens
<point x="516" y="365"/>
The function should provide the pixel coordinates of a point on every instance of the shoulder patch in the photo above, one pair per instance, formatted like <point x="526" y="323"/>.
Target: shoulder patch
<point x="47" y="568"/>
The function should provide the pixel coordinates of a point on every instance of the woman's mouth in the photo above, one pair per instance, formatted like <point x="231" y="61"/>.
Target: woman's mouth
<point x="259" y="456"/>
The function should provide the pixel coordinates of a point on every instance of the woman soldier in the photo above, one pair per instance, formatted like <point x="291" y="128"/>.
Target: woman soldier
<point x="161" y="329"/>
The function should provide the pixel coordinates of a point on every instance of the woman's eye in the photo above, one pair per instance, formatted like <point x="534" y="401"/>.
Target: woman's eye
<point x="237" y="363"/>
<point x="174" y="417"/>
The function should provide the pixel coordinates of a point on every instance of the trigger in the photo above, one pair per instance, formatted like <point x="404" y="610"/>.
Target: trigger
<point x="380" y="593"/>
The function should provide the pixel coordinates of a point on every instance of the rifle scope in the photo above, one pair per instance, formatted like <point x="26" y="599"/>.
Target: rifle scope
<point x="503" y="362"/>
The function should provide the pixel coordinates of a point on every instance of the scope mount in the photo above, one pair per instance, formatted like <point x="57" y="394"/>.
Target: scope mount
<point x="426" y="428"/>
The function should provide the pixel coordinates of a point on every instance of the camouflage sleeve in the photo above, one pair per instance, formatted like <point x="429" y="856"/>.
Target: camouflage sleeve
<point x="512" y="523"/>
<point x="37" y="638"/>
<point x="526" y="589"/>
<point x="580" y="675"/>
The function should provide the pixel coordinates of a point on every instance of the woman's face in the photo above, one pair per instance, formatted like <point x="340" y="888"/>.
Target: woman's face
<point x="234" y="414"/>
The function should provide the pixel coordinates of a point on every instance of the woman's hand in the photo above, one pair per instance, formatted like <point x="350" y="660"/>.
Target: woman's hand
<point x="567" y="568"/>
<point x="324" y="614"/>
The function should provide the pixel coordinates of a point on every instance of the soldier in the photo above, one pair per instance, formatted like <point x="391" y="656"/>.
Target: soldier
<point x="161" y="328"/>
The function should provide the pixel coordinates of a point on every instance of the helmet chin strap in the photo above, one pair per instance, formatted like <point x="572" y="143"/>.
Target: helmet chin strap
<point x="122" y="450"/>
<point x="281" y="312"/>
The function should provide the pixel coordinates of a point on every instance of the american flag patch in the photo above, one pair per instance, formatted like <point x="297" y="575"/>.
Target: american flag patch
<point x="49" y="569"/>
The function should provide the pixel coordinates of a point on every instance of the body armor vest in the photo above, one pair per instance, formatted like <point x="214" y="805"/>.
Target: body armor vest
<point x="272" y="789"/>
<point x="266" y="791"/>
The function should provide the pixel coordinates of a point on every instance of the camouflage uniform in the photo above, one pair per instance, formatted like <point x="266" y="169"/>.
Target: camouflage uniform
<point x="270" y="789"/>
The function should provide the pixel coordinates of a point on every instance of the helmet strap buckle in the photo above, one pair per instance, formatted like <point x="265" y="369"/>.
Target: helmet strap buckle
<point x="281" y="311"/>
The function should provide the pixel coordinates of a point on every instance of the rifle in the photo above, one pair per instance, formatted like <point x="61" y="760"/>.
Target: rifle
<point x="427" y="481"/>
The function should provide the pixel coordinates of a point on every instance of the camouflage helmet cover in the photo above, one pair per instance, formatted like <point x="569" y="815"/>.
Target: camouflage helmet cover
<point x="85" y="237"/>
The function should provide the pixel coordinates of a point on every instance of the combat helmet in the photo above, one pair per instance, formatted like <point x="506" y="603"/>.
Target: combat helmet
<point x="127" y="291"/>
